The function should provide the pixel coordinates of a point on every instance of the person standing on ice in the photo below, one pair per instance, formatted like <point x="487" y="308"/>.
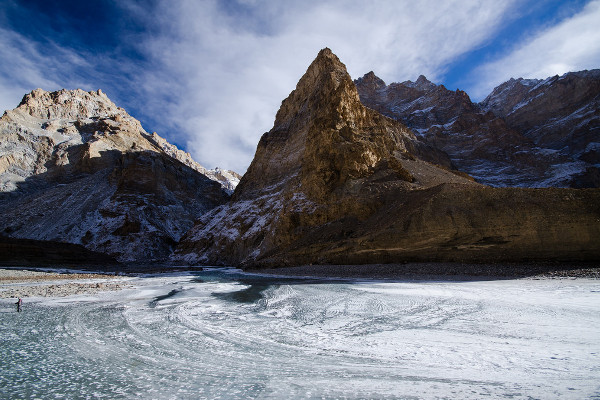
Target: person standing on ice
<point x="19" y="303"/>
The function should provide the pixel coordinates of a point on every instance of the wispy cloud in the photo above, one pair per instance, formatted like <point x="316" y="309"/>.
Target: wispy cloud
<point x="21" y="68"/>
<point x="572" y="45"/>
<point x="229" y="70"/>
<point x="29" y="64"/>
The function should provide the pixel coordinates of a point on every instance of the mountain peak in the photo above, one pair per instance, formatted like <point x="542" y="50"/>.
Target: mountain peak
<point x="325" y="137"/>
<point x="422" y="80"/>
<point x="327" y="53"/>
<point x="68" y="104"/>
<point x="325" y="66"/>
<point x="424" y="83"/>
<point x="371" y="81"/>
<point x="81" y="170"/>
<point x="325" y="79"/>
<point x="326" y="57"/>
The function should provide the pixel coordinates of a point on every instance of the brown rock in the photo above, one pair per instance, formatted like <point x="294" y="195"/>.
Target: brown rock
<point x="336" y="182"/>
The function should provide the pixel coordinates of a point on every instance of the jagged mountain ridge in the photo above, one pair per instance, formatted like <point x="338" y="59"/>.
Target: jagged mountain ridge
<point x="227" y="178"/>
<point x="336" y="182"/>
<point x="332" y="182"/>
<point x="495" y="149"/>
<point x="560" y="114"/>
<point x="76" y="168"/>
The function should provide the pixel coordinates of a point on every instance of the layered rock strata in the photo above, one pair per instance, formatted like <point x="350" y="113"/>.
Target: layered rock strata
<point x="76" y="168"/>
<point x="335" y="182"/>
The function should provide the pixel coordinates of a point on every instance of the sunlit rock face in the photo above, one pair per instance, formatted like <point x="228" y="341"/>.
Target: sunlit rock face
<point x="76" y="168"/>
<point x="527" y="132"/>
<point x="337" y="182"/>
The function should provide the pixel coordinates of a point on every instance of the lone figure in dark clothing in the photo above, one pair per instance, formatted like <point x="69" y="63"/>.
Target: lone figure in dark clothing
<point x="19" y="303"/>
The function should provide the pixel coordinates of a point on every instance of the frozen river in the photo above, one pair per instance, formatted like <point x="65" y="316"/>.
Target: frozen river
<point x="222" y="334"/>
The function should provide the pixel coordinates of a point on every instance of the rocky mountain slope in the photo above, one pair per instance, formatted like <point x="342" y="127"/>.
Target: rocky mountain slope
<point x="560" y="114"/>
<point x="337" y="182"/>
<point x="227" y="178"/>
<point x="76" y="168"/>
<point x="526" y="133"/>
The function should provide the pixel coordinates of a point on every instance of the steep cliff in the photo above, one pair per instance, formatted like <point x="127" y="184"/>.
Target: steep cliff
<point x="337" y="182"/>
<point x="76" y="168"/>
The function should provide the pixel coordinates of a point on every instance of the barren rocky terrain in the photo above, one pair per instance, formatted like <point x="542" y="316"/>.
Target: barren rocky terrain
<point x="15" y="283"/>
<point x="334" y="182"/>
<point x="527" y="132"/>
<point x="76" y="168"/>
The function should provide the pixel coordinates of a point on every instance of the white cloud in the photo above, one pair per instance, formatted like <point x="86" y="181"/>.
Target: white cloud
<point x="225" y="74"/>
<point x="572" y="45"/>
<point x="25" y="61"/>
<point x="27" y="65"/>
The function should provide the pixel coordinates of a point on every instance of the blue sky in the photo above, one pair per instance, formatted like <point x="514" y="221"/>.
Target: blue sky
<point x="210" y="75"/>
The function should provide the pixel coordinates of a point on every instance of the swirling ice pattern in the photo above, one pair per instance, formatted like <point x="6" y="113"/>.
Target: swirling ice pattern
<point x="235" y="336"/>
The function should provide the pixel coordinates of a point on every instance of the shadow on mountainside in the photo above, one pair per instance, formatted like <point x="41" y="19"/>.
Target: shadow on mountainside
<point x="108" y="202"/>
<point x="28" y="253"/>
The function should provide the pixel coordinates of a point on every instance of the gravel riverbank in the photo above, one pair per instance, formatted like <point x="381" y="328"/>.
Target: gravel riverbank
<point x="15" y="283"/>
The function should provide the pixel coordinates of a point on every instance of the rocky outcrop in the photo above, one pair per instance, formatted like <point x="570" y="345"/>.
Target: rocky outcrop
<point x="337" y="182"/>
<point x="76" y="168"/>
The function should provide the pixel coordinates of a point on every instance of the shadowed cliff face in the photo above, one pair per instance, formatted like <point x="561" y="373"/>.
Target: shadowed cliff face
<point x="478" y="142"/>
<point x="336" y="182"/>
<point x="76" y="168"/>
<point x="527" y="132"/>
<point x="560" y="114"/>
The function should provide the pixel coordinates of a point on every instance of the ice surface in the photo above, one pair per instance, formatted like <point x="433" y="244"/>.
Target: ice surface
<point x="223" y="334"/>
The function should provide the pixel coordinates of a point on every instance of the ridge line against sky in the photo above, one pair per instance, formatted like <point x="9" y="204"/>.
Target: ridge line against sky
<point x="210" y="75"/>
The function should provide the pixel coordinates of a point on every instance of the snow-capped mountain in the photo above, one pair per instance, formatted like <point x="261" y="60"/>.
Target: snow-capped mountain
<point x="76" y="168"/>
<point x="528" y="133"/>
